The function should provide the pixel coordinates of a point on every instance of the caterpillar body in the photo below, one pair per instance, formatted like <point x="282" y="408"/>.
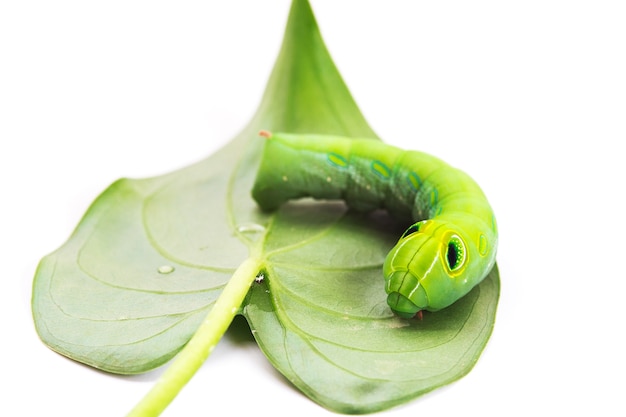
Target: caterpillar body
<point x="451" y="245"/>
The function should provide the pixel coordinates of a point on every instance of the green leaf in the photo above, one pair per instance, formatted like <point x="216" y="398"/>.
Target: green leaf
<point x="327" y="326"/>
<point x="150" y="258"/>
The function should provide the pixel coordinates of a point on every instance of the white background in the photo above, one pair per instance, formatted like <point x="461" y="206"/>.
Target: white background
<point x="528" y="97"/>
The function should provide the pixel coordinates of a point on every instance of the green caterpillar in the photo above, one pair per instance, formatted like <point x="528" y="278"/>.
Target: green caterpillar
<point x="440" y="258"/>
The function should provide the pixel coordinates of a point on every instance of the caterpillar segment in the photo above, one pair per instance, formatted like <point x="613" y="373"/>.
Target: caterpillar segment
<point x="449" y="248"/>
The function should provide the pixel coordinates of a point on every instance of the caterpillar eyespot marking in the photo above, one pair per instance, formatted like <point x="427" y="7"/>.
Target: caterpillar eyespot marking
<point x="455" y="254"/>
<point x="337" y="160"/>
<point x="380" y="169"/>
<point x="482" y="245"/>
<point x="448" y="250"/>
<point x="434" y="196"/>
<point x="414" y="228"/>
<point x="414" y="181"/>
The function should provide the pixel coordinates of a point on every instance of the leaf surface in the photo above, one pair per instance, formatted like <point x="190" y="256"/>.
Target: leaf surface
<point x="151" y="256"/>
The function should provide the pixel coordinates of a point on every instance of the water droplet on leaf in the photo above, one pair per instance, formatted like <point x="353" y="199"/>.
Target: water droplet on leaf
<point x="165" y="269"/>
<point x="250" y="228"/>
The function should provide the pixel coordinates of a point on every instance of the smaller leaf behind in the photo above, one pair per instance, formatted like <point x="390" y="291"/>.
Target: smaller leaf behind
<point x="141" y="270"/>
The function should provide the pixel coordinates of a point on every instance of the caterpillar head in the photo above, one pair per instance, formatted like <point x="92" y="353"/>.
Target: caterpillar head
<point x="428" y="269"/>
